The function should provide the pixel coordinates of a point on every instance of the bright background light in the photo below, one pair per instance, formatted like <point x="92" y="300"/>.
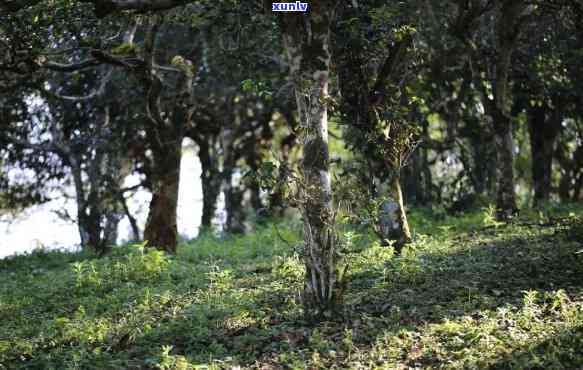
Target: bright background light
<point x="39" y="226"/>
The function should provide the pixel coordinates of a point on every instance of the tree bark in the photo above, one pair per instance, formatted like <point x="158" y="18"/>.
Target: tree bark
<point x="308" y="52"/>
<point x="402" y="232"/>
<point x="233" y="206"/>
<point x="413" y="180"/>
<point x="571" y="165"/>
<point x="483" y="166"/>
<point x="210" y="178"/>
<point x="543" y="132"/>
<point x="233" y="195"/>
<point x="110" y="231"/>
<point x="393" y="224"/>
<point x="161" y="227"/>
<point x="562" y="156"/>
<point x="165" y="134"/>
<point x="90" y="203"/>
<point x="505" y="196"/>
<point x="277" y="204"/>
<point x="132" y="220"/>
<point x="507" y="32"/>
<point x="253" y="153"/>
<point x="98" y="212"/>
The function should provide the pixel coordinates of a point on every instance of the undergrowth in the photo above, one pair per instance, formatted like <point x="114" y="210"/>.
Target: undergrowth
<point x="468" y="293"/>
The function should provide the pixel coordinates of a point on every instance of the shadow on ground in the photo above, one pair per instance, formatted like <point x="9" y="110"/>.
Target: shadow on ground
<point x="232" y="316"/>
<point x="483" y="274"/>
<point x="477" y="274"/>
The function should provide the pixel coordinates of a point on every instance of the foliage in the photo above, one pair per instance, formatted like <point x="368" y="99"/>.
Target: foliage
<point x="464" y="295"/>
<point x="458" y="81"/>
<point x="137" y="265"/>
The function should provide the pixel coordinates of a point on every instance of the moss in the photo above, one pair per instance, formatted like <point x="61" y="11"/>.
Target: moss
<point x="316" y="156"/>
<point x="124" y="49"/>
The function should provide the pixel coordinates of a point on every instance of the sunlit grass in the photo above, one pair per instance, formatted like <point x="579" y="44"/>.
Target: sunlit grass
<point x="467" y="294"/>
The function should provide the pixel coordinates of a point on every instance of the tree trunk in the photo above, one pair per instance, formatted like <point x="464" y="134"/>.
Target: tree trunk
<point x="543" y="134"/>
<point x="507" y="32"/>
<point x="233" y="201"/>
<point x="413" y="179"/>
<point x="82" y="226"/>
<point x="277" y="203"/>
<point x="132" y="220"/>
<point x="505" y="196"/>
<point x="254" y="189"/>
<point x="578" y="188"/>
<point x="402" y="234"/>
<point x="165" y="134"/>
<point x="114" y="208"/>
<point x="427" y="177"/>
<point x="254" y="153"/>
<point x="309" y="57"/>
<point x="88" y="205"/>
<point x="562" y="156"/>
<point x="393" y="225"/>
<point x="161" y="229"/>
<point x="233" y="206"/>
<point x="571" y="181"/>
<point x="110" y="230"/>
<point x="97" y="216"/>
<point x="233" y="196"/>
<point x="484" y="158"/>
<point x="210" y="178"/>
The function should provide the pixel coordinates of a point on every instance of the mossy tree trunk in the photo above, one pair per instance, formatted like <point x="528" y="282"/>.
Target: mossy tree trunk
<point x="307" y="45"/>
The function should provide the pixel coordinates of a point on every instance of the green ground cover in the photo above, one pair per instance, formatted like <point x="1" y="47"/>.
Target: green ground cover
<point x="469" y="293"/>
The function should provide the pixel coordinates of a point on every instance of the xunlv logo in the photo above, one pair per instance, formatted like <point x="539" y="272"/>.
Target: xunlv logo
<point x="289" y="7"/>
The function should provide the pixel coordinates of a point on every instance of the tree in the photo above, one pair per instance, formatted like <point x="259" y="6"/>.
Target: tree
<point x="306" y="40"/>
<point x="376" y="112"/>
<point x="489" y="59"/>
<point x="240" y="72"/>
<point x="75" y="131"/>
<point x="509" y="21"/>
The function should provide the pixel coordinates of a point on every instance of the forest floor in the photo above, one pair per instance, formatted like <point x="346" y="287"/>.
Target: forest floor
<point x="469" y="293"/>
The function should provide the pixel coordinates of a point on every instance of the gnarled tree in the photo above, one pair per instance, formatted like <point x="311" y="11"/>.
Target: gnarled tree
<point x="307" y="44"/>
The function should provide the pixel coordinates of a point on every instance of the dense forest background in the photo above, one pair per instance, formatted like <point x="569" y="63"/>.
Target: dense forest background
<point x="343" y="120"/>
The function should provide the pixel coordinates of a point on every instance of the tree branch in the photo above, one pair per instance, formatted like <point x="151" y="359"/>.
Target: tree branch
<point x="106" y="7"/>
<point x="396" y="53"/>
<point x="98" y="92"/>
<point x="72" y="67"/>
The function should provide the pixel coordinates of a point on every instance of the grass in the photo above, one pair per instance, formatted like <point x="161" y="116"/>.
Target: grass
<point x="469" y="293"/>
